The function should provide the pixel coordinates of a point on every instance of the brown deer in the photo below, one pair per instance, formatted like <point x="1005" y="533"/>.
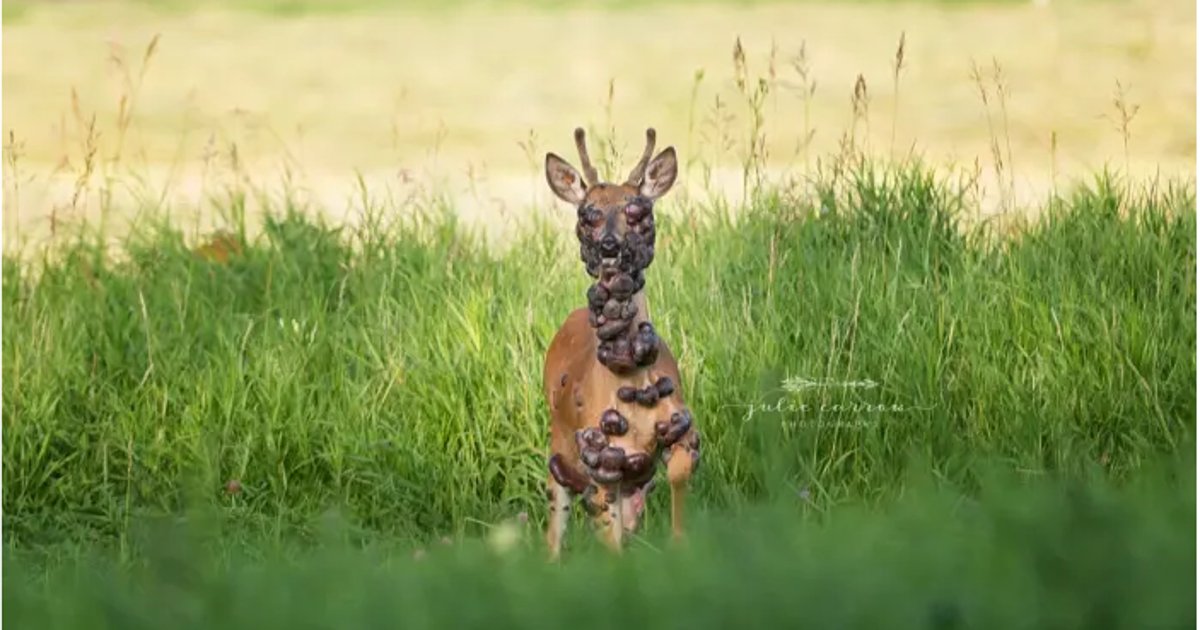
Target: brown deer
<point x="611" y="383"/>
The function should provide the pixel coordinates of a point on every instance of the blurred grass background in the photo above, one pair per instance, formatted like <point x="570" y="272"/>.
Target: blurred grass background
<point x="1052" y="555"/>
<point x="467" y="97"/>
<point x="393" y="371"/>
<point x="285" y="8"/>
<point x="997" y="228"/>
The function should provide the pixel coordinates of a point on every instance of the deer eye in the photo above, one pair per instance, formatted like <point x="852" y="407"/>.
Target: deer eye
<point x="593" y="216"/>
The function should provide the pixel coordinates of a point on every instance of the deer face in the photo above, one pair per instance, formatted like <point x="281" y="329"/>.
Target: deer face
<point x="615" y="223"/>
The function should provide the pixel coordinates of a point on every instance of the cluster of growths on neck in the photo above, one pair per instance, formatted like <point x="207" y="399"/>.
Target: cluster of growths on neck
<point x="611" y="309"/>
<point x="623" y="348"/>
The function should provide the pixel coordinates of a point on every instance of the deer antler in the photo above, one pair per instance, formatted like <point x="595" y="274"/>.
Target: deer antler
<point x="639" y="171"/>
<point x="589" y="171"/>
<point x="603" y="451"/>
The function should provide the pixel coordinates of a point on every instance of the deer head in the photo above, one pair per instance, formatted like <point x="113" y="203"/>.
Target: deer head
<point x="615" y="223"/>
<point x="614" y="418"/>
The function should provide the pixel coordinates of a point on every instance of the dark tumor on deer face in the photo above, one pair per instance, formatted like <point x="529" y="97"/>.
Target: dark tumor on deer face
<point x="615" y="227"/>
<point x="615" y="222"/>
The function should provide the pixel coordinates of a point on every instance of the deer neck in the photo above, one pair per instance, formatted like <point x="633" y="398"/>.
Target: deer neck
<point x="643" y="309"/>
<point x="626" y="341"/>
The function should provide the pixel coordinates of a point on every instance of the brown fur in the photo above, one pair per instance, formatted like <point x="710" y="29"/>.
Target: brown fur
<point x="579" y="389"/>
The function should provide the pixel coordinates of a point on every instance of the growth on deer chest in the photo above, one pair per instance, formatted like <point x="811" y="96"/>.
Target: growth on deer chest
<point x="611" y="382"/>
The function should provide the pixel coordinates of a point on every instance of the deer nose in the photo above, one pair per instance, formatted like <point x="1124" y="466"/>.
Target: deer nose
<point x="609" y="246"/>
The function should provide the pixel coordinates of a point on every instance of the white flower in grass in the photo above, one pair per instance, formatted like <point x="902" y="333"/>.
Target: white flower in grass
<point x="504" y="537"/>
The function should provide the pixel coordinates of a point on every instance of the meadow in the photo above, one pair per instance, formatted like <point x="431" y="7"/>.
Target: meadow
<point x="918" y="410"/>
<point x="470" y="96"/>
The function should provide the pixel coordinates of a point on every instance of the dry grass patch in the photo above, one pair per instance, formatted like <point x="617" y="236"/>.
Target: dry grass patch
<point x="454" y="96"/>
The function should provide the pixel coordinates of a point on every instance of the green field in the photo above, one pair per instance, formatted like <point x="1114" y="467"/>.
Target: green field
<point x="916" y="413"/>
<point x="1022" y="459"/>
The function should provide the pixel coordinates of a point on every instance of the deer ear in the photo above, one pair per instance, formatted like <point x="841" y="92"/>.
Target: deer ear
<point x="564" y="180"/>
<point x="660" y="174"/>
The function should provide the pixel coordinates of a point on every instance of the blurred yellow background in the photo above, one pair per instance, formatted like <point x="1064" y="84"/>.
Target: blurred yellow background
<point x="472" y="97"/>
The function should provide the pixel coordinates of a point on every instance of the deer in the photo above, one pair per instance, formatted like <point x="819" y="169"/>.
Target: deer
<point x="612" y="384"/>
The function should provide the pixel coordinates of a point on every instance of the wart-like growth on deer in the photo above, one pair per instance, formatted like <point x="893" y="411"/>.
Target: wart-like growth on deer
<point x="610" y="380"/>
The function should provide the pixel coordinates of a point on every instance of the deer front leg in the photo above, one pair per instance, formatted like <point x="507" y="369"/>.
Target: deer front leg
<point x="606" y="466"/>
<point x="563" y="483"/>
<point x="560" y="512"/>
<point x="605" y="507"/>
<point x="682" y="458"/>
<point x="679" y="472"/>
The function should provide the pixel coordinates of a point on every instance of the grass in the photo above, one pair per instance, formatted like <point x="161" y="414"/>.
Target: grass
<point x="1054" y="554"/>
<point x="395" y="373"/>
<point x="310" y="404"/>
<point x="963" y="422"/>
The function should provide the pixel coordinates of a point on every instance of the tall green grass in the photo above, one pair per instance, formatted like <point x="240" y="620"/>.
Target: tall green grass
<point x="395" y="374"/>
<point x="907" y="424"/>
